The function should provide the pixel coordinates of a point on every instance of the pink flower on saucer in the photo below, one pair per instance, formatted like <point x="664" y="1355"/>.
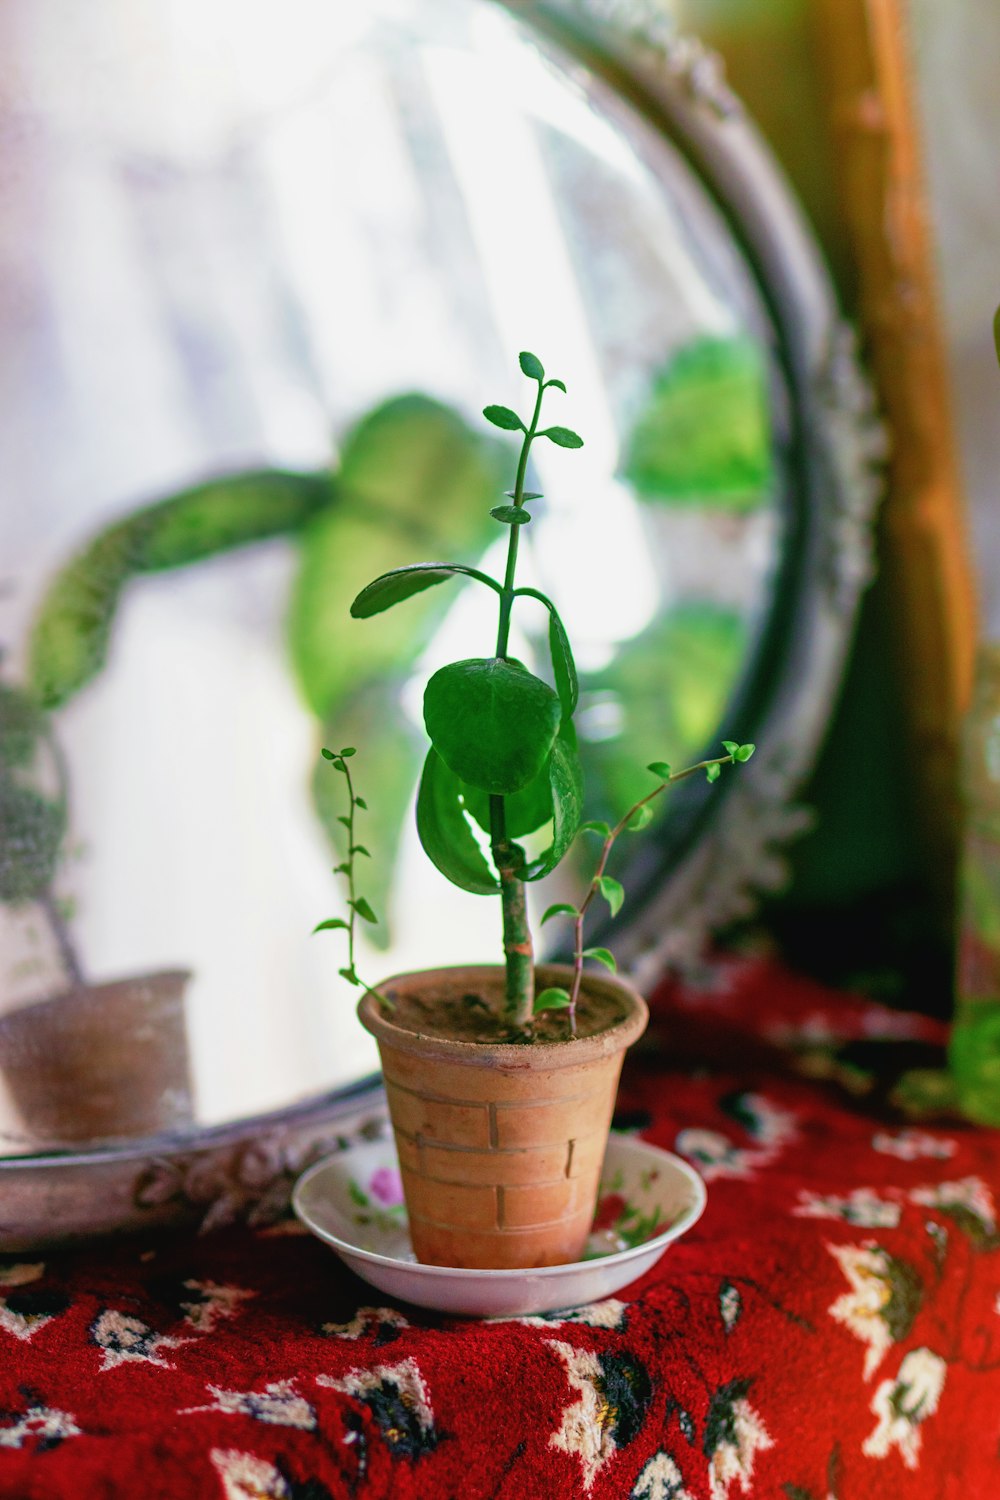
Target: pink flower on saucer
<point x="386" y="1187"/>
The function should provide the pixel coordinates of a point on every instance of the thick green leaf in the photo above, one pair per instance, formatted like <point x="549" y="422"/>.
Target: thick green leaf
<point x="613" y="892"/>
<point x="558" y="385"/>
<point x="531" y="365"/>
<point x="553" y="998"/>
<point x="602" y="956"/>
<point x="705" y="434"/>
<point x="445" y="834"/>
<point x="415" y="482"/>
<point x="510" y="515"/>
<point x="330" y="925"/>
<point x="560" y="909"/>
<point x="565" y="437"/>
<point x="524" y="811"/>
<point x="402" y="583"/>
<point x="563" y="665"/>
<point x="72" y="629"/>
<point x="566" y="777"/>
<point x="502" y="416"/>
<point x="492" y="722"/>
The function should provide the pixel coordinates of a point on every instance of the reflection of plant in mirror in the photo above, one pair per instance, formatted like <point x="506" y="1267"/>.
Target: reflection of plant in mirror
<point x="503" y="753"/>
<point x="406" y="472"/>
<point x="703" y="435"/>
<point x="33" y="821"/>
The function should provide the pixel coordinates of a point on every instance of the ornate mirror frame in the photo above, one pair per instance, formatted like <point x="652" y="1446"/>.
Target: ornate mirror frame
<point x="716" y="854"/>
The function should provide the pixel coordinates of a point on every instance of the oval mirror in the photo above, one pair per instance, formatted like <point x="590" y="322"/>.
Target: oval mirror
<point x="258" y="295"/>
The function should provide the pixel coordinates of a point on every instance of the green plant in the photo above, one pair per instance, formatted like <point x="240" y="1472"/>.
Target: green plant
<point x="33" y="818"/>
<point x="502" y="764"/>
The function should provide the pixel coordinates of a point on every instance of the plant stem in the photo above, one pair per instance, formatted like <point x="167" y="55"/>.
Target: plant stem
<point x="47" y="901"/>
<point x="609" y="842"/>
<point x="519" y="957"/>
<point x="60" y="931"/>
<point x="350" y="868"/>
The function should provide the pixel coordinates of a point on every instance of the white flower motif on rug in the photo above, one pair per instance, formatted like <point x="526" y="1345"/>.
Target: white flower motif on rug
<point x="661" y="1479"/>
<point x="862" y="1207"/>
<point x="613" y="1392"/>
<point x="607" y="1314"/>
<point x="734" y="1435"/>
<point x="126" y="1340"/>
<point x="42" y="1425"/>
<point x="210" y="1304"/>
<point x="885" y="1296"/>
<point x="911" y="1145"/>
<point x="399" y="1401"/>
<point x="246" y="1477"/>
<point x="278" y="1404"/>
<point x="903" y="1404"/>
<point x="382" y="1321"/>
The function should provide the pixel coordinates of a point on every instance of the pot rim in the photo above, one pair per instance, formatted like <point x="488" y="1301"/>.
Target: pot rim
<point x="565" y="1053"/>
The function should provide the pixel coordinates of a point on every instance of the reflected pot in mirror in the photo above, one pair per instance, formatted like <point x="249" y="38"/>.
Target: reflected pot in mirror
<point x="500" y="1142"/>
<point x="100" y="1063"/>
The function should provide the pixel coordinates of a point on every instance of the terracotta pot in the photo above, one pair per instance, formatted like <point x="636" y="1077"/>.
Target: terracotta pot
<point x="500" y="1146"/>
<point x="105" y="1062"/>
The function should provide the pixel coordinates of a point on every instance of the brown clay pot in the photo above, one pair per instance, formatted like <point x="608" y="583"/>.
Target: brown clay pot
<point x="500" y="1145"/>
<point x="104" y="1062"/>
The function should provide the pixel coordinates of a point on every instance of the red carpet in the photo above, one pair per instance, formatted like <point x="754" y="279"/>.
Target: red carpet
<point x="830" y="1330"/>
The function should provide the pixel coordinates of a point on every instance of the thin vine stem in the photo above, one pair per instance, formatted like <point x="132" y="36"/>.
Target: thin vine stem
<point x="595" y="884"/>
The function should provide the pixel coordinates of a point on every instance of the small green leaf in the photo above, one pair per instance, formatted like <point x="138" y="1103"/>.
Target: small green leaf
<point x="338" y="765"/>
<point x="510" y="515"/>
<point x="527" y="495"/>
<point x="564" y="437"/>
<point x="360" y="849"/>
<point x="659" y="768"/>
<point x="342" y="869"/>
<point x="364" y="910"/>
<point x="642" y="819"/>
<point x="346" y="821"/>
<point x="551" y="999"/>
<point x="402" y="583"/>
<point x="561" y="909"/>
<point x="744" y="752"/>
<point x="327" y="754"/>
<point x="602" y="956"/>
<point x="712" y="773"/>
<point x="595" y="827"/>
<point x="613" y="892"/>
<point x="349" y="751"/>
<point x="502" y="416"/>
<point x="330" y="924"/>
<point x="360" y="802"/>
<point x="558" y="385"/>
<point x="491" y="721"/>
<point x="349" y="975"/>
<point x="531" y="366"/>
<point x="730" y="747"/>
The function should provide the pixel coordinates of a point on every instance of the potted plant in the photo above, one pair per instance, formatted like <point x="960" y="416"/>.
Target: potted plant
<point x="93" y="1061"/>
<point x="501" y="1080"/>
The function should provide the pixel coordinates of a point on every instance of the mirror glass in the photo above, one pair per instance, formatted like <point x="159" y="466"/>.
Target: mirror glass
<point x="240" y="239"/>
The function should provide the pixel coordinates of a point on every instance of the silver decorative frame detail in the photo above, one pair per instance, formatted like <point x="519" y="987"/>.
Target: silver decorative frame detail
<point x="244" y="1171"/>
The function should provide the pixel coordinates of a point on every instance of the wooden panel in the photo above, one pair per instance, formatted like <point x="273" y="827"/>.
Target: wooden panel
<point x="864" y="54"/>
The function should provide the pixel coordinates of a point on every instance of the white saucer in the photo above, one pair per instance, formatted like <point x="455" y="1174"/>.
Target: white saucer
<point x="354" y="1202"/>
